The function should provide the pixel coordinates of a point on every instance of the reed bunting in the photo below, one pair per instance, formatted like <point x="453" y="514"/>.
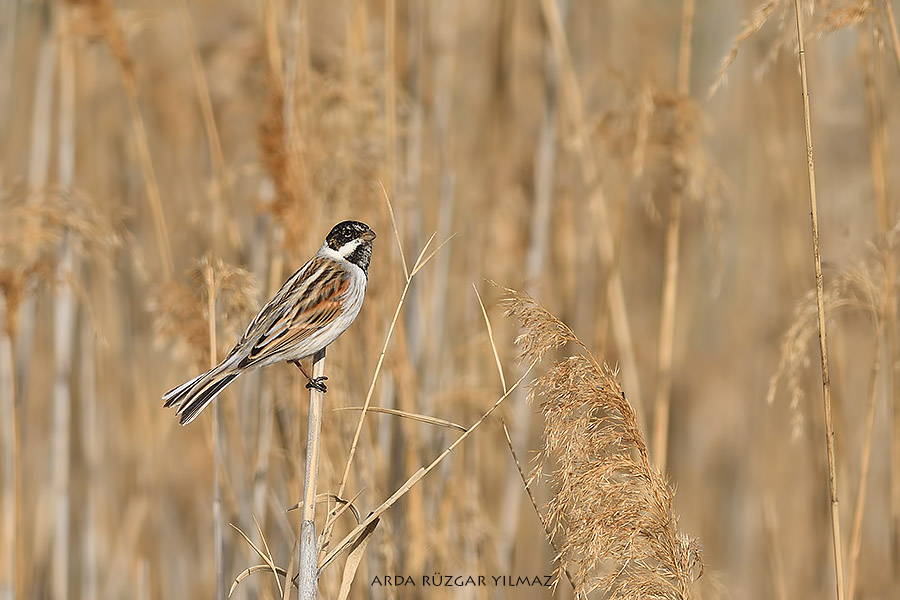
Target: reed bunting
<point x="315" y="306"/>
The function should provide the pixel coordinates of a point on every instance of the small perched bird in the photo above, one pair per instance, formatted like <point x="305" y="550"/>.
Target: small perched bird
<point x="315" y="306"/>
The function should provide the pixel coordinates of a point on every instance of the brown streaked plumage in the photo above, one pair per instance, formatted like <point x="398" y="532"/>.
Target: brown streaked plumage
<point x="313" y="307"/>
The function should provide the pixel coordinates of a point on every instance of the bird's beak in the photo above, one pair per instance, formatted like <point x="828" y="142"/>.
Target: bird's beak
<point x="368" y="236"/>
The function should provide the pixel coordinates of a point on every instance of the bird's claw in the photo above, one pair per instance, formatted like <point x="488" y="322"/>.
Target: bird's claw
<point x="317" y="383"/>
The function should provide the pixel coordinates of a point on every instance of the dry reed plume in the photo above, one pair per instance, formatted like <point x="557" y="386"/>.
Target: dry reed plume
<point x="611" y="512"/>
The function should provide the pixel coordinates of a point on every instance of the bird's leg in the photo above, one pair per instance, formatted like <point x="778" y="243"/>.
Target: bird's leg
<point x="312" y="383"/>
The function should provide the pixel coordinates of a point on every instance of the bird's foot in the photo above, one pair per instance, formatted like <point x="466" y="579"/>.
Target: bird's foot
<point x="317" y="383"/>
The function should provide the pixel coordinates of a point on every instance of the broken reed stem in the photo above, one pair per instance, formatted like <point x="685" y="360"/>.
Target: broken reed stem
<point x="662" y="403"/>
<point x="308" y="569"/>
<point x="859" y="508"/>
<point x="218" y="529"/>
<point x="820" y="309"/>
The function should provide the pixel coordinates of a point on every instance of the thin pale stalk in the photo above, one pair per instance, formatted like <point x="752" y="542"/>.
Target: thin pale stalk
<point x="308" y="571"/>
<point x="149" y="172"/>
<point x="776" y="560"/>
<point x="37" y="178"/>
<point x="444" y="34"/>
<point x="220" y="179"/>
<point x="892" y="26"/>
<point x="290" y="74"/>
<point x="860" y="506"/>
<point x="64" y="312"/>
<point x="218" y="525"/>
<point x="596" y="204"/>
<point x="91" y="449"/>
<point x="9" y="49"/>
<point x="9" y="451"/>
<point x="390" y="93"/>
<point x="116" y="41"/>
<point x="41" y="121"/>
<point x="416" y="317"/>
<point x="820" y="309"/>
<point x="884" y="215"/>
<point x="264" y="264"/>
<point x="662" y="404"/>
<point x="273" y="47"/>
<point x="535" y="258"/>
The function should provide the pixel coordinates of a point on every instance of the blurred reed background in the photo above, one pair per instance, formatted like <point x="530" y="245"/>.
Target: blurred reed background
<point x="163" y="158"/>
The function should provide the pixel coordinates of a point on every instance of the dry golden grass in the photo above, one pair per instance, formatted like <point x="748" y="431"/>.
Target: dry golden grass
<point x="165" y="166"/>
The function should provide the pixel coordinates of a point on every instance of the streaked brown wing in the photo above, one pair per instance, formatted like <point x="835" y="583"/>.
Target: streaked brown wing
<point x="306" y="304"/>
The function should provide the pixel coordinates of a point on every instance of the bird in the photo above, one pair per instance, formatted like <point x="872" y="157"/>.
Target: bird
<point x="310" y="311"/>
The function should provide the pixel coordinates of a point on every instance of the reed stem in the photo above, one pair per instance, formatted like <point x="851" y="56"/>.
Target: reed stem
<point x="308" y="570"/>
<point x="663" y="400"/>
<point x="820" y="309"/>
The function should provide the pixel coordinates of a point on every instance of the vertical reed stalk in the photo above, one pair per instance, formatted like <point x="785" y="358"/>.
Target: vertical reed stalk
<point x="820" y="309"/>
<point x="308" y="570"/>
<point x="38" y="175"/>
<point x="9" y="451"/>
<point x="596" y="204"/>
<point x="220" y="175"/>
<point x="776" y="560"/>
<point x="63" y="325"/>
<point x="892" y="26"/>
<point x="390" y="93"/>
<point x="91" y="449"/>
<point x="218" y="527"/>
<point x="860" y="506"/>
<point x="6" y="68"/>
<point x="144" y="157"/>
<point x="884" y="214"/>
<point x="662" y="404"/>
<point x="535" y="257"/>
<point x="415" y="319"/>
<point x="256" y="394"/>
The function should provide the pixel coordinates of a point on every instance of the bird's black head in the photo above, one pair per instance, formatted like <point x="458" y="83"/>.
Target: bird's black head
<point x="353" y="241"/>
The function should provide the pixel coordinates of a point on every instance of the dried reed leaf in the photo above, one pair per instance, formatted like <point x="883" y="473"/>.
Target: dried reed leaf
<point x="357" y="551"/>
<point x="250" y="571"/>
<point x="407" y="415"/>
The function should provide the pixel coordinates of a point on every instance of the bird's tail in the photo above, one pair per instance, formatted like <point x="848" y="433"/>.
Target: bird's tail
<point x="191" y="397"/>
